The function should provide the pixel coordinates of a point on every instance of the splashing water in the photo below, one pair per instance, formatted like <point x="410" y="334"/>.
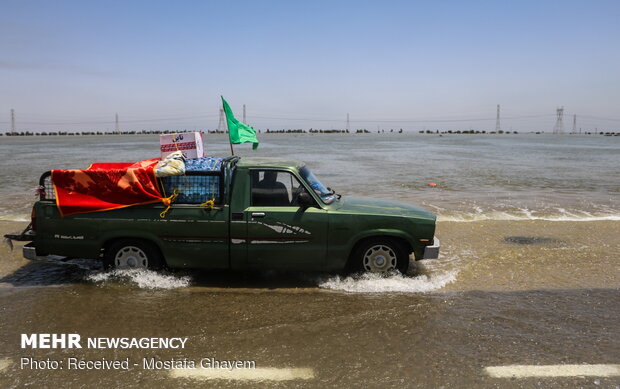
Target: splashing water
<point x="378" y="283"/>
<point x="424" y="276"/>
<point x="145" y="279"/>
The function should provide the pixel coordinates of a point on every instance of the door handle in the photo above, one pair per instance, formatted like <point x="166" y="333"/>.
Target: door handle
<point x="258" y="214"/>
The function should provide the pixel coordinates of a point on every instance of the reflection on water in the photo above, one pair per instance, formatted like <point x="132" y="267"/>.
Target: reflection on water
<point x="528" y="239"/>
<point x="423" y="276"/>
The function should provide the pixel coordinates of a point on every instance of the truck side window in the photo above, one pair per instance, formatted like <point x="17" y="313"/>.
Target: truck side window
<point x="275" y="188"/>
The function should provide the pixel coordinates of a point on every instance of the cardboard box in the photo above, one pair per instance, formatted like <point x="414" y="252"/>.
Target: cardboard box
<point x="190" y="143"/>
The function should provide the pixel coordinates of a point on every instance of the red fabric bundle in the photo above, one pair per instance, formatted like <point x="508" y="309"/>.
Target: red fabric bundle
<point x="105" y="186"/>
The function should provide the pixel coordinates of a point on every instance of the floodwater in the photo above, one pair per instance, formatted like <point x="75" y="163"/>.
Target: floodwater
<point x="529" y="273"/>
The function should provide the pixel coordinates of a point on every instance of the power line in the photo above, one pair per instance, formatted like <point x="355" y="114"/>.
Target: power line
<point x="404" y="120"/>
<point x="346" y="121"/>
<point x="600" y="118"/>
<point x="125" y="121"/>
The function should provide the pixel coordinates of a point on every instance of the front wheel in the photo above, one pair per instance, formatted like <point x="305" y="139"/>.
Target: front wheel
<point x="381" y="255"/>
<point x="132" y="254"/>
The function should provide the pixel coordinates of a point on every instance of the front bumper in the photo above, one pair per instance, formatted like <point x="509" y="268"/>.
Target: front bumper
<point x="432" y="251"/>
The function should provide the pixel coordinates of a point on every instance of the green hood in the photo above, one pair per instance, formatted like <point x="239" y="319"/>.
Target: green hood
<point x="369" y="206"/>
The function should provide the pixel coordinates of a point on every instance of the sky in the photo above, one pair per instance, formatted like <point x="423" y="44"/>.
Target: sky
<point x="416" y="65"/>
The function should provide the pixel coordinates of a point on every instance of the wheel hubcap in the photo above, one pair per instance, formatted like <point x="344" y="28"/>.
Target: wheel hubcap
<point x="131" y="257"/>
<point x="380" y="259"/>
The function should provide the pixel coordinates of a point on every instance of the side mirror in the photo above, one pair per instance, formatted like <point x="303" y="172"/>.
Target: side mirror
<point x="305" y="200"/>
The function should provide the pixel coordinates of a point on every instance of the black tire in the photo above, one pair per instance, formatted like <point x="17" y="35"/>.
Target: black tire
<point x="379" y="255"/>
<point x="132" y="253"/>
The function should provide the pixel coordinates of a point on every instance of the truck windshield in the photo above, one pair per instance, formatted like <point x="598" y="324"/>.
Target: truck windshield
<point x="326" y="195"/>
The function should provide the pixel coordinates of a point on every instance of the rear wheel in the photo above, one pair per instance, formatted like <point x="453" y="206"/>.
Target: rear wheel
<point x="132" y="254"/>
<point x="380" y="255"/>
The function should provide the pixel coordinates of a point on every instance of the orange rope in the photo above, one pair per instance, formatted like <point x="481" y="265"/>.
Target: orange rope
<point x="168" y="202"/>
<point x="210" y="203"/>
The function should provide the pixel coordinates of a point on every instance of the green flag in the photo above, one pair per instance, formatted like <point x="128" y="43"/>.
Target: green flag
<point x="237" y="131"/>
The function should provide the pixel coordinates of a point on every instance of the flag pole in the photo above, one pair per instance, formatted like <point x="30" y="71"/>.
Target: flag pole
<point x="229" y="141"/>
<point x="232" y="152"/>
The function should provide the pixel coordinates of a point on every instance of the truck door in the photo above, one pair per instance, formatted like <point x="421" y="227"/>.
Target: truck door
<point x="280" y="233"/>
<point x="195" y="234"/>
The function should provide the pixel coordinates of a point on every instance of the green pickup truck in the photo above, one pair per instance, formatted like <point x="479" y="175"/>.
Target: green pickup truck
<point x="266" y="213"/>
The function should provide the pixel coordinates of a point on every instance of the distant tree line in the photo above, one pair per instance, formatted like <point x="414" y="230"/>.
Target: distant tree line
<point x="468" y="132"/>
